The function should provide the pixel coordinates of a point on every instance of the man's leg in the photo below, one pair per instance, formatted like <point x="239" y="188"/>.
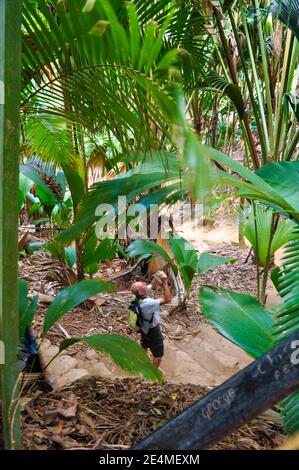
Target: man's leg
<point x="144" y="341"/>
<point x="157" y="361"/>
<point x="156" y="345"/>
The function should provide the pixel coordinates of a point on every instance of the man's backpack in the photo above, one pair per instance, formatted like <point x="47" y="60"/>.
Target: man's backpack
<point x="136" y="320"/>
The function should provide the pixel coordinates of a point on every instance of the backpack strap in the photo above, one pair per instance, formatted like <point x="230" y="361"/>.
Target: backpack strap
<point x="151" y="320"/>
<point x="140" y="311"/>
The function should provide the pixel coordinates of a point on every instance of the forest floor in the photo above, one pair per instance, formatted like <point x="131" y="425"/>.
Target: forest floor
<point x="93" y="404"/>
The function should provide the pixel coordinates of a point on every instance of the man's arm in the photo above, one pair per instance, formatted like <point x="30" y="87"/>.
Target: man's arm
<point x="163" y="280"/>
<point x="167" y="294"/>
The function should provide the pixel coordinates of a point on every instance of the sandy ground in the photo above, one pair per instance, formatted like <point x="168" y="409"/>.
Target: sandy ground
<point x="206" y="359"/>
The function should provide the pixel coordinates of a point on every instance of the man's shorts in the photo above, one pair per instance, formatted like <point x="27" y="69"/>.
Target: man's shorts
<point x="153" y="341"/>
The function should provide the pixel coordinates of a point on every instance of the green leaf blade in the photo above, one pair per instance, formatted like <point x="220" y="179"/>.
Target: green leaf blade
<point x="125" y="353"/>
<point x="73" y="296"/>
<point x="208" y="262"/>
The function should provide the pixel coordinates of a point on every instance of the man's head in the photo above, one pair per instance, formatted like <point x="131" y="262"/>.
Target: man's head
<point x="140" y="289"/>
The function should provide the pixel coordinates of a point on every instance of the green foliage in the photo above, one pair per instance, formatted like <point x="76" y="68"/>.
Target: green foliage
<point x="219" y="84"/>
<point x="287" y="11"/>
<point x="186" y="258"/>
<point x="184" y="261"/>
<point x="147" y="176"/>
<point x="239" y="318"/>
<point x="39" y="195"/>
<point x="25" y="185"/>
<point x="206" y="262"/>
<point x="47" y="136"/>
<point x="96" y="251"/>
<point x="290" y="412"/>
<point x="124" y="352"/>
<point x="271" y="185"/>
<point x="31" y="173"/>
<point x="66" y="255"/>
<point x="258" y="226"/>
<point x="62" y="213"/>
<point x="27" y="307"/>
<point x="110" y="66"/>
<point x="145" y="249"/>
<point x="287" y="319"/>
<point x="73" y="296"/>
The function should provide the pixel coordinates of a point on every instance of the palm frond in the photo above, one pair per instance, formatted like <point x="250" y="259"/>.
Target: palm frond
<point x="146" y="177"/>
<point x="240" y="319"/>
<point x="287" y="319"/>
<point x="290" y="413"/>
<point x="89" y="68"/>
<point x="48" y="137"/>
<point x="220" y="84"/>
<point x="257" y="228"/>
<point x="288" y="314"/>
<point x="272" y="184"/>
<point x="288" y="12"/>
<point x="186" y="32"/>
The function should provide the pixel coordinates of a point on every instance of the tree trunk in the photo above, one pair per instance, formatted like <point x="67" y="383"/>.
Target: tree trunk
<point x="10" y="77"/>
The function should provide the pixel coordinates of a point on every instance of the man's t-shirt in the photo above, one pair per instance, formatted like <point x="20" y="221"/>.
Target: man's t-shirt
<point x="149" y="307"/>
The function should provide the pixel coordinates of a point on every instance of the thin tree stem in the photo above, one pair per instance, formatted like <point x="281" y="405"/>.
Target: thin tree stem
<point x="252" y="147"/>
<point x="268" y="261"/>
<point x="257" y="252"/>
<point x="283" y="87"/>
<point x="266" y="75"/>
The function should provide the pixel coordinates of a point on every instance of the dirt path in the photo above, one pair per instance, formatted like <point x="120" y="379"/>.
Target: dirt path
<point x="205" y="359"/>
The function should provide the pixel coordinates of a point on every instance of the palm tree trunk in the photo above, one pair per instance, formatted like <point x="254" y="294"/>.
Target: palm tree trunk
<point x="79" y="261"/>
<point x="215" y="117"/>
<point x="10" y="74"/>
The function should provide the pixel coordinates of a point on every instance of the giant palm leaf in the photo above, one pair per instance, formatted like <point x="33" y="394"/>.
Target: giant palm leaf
<point x="272" y="185"/>
<point x="240" y="319"/>
<point x="288" y="285"/>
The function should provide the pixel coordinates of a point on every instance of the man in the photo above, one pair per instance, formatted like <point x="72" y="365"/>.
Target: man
<point x="151" y="312"/>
